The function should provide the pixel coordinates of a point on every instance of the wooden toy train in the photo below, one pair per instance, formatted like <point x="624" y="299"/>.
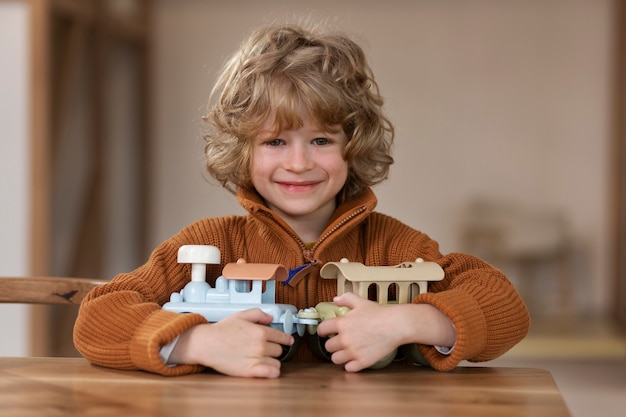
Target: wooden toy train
<point x="240" y="287"/>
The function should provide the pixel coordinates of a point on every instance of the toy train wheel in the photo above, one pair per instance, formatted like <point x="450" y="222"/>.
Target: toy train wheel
<point x="318" y="346"/>
<point x="412" y="353"/>
<point x="289" y="351"/>
<point x="385" y="361"/>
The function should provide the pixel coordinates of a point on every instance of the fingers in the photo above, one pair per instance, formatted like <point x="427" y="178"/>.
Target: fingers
<point x="360" y="337"/>
<point x="349" y="300"/>
<point x="253" y="356"/>
<point x="280" y="338"/>
<point x="330" y="326"/>
<point x="255" y="315"/>
<point x="342" y="355"/>
<point x="241" y="344"/>
<point x="327" y="328"/>
<point x="263" y="370"/>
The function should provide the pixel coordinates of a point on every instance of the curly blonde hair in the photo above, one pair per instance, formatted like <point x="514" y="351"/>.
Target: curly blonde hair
<point x="276" y="72"/>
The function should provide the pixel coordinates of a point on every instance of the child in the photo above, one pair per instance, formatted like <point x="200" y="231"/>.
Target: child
<point x="297" y="132"/>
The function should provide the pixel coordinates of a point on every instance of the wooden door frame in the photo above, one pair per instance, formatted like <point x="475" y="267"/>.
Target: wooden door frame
<point x="49" y="68"/>
<point x="618" y="203"/>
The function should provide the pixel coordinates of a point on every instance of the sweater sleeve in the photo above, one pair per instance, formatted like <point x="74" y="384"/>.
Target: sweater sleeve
<point x="484" y="306"/>
<point x="121" y="324"/>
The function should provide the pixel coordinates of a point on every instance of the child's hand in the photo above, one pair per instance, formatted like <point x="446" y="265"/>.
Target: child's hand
<point x="362" y="336"/>
<point x="239" y="345"/>
<point x="370" y="331"/>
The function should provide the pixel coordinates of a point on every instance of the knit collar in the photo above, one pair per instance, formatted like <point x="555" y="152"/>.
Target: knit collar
<point x="252" y="201"/>
<point x="347" y="214"/>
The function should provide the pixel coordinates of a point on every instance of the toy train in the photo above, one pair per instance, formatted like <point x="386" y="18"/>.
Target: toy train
<point x="240" y="287"/>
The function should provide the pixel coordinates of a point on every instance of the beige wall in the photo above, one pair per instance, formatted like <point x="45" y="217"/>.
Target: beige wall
<point x="14" y="169"/>
<point x="504" y="99"/>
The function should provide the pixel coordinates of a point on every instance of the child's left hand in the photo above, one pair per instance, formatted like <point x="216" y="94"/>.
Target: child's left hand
<point x="364" y="335"/>
<point x="370" y="331"/>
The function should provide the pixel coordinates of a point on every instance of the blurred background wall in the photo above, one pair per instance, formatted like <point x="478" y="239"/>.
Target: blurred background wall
<point x="14" y="169"/>
<point x="497" y="103"/>
<point x="503" y="115"/>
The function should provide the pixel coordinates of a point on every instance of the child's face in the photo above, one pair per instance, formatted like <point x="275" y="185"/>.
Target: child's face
<point x="299" y="172"/>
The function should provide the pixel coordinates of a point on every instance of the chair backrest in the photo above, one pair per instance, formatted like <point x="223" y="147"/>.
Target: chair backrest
<point x="45" y="290"/>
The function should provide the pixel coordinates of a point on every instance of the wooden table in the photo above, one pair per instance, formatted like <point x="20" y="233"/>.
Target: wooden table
<point x="70" y="386"/>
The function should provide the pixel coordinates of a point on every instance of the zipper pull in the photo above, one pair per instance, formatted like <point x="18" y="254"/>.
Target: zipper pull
<point x="293" y="272"/>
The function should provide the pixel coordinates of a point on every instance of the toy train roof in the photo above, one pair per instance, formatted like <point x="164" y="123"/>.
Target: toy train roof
<point x="251" y="271"/>
<point x="404" y="272"/>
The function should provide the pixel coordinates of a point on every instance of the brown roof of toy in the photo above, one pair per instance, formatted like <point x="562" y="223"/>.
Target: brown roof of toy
<point x="251" y="271"/>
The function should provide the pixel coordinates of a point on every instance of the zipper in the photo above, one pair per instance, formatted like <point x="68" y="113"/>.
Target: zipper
<point x="308" y="254"/>
<point x="338" y="226"/>
<point x="293" y="235"/>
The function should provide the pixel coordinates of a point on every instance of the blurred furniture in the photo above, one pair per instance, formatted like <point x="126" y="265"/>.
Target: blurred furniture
<point x="618" y="163"/>
<point x="534" y="248"/>
<point x="89" y="104"/>
<point x="71" y="386"/>
<point x="45" y="290"/>
<point x="65" y="294"/>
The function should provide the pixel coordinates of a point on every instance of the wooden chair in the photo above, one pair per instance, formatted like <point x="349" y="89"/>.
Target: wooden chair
<point x="54" y="303"/>
<point x="45" y="290"/>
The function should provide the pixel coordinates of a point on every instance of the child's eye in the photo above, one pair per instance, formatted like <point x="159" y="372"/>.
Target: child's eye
<point x="321" y="141"/>
<point x="274" y="142"/>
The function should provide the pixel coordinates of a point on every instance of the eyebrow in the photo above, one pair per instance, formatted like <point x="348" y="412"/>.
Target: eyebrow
<point x="266" y="134"/>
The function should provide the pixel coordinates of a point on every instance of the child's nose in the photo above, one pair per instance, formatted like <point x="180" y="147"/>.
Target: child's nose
<point x="299" y="159"/>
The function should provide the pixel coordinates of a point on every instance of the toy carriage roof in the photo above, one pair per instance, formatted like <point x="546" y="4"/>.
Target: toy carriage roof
<point x="405" y="272"/>
<point x="252" y="271"/>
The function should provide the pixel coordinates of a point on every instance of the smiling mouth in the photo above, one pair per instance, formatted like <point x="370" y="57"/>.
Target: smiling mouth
<point x="297" y="187"/>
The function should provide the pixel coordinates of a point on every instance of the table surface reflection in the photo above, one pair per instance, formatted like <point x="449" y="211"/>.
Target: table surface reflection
<point x="72" y="386"/>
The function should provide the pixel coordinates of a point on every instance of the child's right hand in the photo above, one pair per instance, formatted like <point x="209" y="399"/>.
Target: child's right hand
<point x="239" y="345"/>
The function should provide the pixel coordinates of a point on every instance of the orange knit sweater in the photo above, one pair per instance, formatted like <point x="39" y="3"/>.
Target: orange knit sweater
<point x="121" y="324"/>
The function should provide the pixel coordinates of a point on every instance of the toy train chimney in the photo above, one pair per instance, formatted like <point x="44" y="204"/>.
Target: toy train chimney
<point x="198" y="256"/>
